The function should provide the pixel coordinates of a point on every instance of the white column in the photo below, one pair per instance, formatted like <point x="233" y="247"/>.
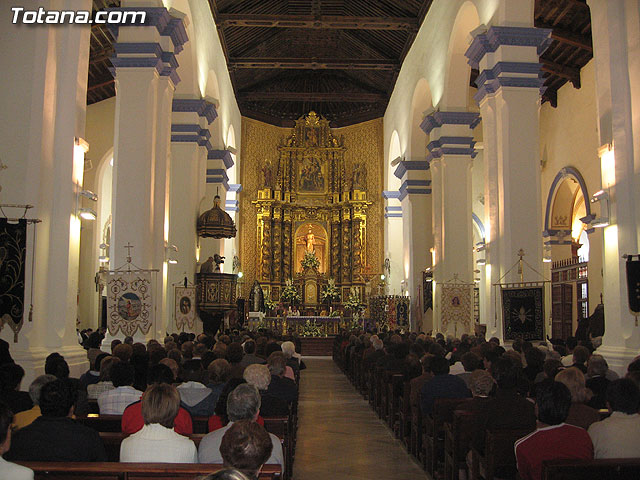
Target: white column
<point x="616" y="50"/>
<point x="190" y="142"/>
<point x="450" y="155"/>
<point x="145" y="72"/>
<point x="509" y="97"/>
<point x="43" y="109"/>
<point x="415" y="196"/>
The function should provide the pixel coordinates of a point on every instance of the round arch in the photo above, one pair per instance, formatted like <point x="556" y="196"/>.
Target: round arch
<point x="563" y="198"/>
<point x="420" y="103"/>
<point x="456" y="84"/>
<point x="395" y="151"/>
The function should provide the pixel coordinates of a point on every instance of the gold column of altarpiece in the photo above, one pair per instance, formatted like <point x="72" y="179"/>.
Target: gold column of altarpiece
<point x="309" y="203"/>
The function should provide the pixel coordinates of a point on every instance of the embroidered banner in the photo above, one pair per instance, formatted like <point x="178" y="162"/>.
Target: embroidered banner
<point x="457" y="308"/>
<point x="185" y="307"/>
<point x="402" y="312"/>
<point x="427" y="291"/>
<point x="523" y="313"/>
<point x="13" y="248"/>
<point x="129" y="302"/>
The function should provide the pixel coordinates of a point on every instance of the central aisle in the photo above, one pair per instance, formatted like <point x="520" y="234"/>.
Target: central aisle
<point x="339" y="436"/>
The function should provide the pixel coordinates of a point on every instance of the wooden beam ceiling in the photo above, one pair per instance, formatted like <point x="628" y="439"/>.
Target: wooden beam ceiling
<point x="286" y="96"/>
<point x="314" y="64"/>
<point x="317" y="22"/>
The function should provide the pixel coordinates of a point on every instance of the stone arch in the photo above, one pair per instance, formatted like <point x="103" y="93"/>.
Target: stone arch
<point x="230" y="141"/>
<point x="567" y="199"/>
<point x="420" y="103"/>
<point x="187" y="59"/>
<point x="456" y="85"/>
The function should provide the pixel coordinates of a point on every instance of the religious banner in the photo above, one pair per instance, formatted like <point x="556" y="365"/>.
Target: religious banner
<point x="13" y="242"/>
<point x="402" y="311"/>
<point x="185" y="307"/>
<point x="129" y="302"/>
<point x="523" y="313"/>
<point x="633" y="283"/>
<point x="457" y="307"/>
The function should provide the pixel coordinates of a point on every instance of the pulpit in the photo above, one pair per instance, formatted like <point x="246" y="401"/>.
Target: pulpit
<point x="215" y="295"/>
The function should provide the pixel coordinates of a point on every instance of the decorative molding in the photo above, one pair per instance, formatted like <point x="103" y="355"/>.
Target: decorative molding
<point x="235" y="187"/>
<point x="129" y="55"/>
<point x="231" y="205"/>
<point x="493" y="86"/>
<point x="159" y="17"/>
<point x="496" y="36"/>
<point x="414" y="187"/>
<point x="390" y="194"/>
<point x="449" y="145"/>
<point x="406" y="165"/>
<point x="438" y="119"/>
<point x="479" y="224"/>
<point x="191" y="133"/>
<point x="223" y="155"/>
<point x="196" y="105"/>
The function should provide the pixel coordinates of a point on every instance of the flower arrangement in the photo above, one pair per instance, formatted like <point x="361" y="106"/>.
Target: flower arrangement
<point x="290" y="293"/>
<point x="311" y="329"/>
<point x="330" y="292"/>
<point x="268" y="303"/>
<point x="310" y="261"/>
<point x="353" y="302"/>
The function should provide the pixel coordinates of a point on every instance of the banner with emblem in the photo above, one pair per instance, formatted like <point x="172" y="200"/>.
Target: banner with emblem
<point x="457" y="307"/>
<point x="523" y="313"/>
<point x="185" y="307"/>
<point x="13" y="246"/>
<point x="129" y="302"/>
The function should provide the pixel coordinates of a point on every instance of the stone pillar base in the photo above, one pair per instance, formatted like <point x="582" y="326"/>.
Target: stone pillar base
<point x="32" y="361"/>
<point x="617" y="357"/>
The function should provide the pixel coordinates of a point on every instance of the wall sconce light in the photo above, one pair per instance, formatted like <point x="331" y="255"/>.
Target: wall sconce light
<point x="382" y="277"/>
<point x="240" y="274"/>
<point x="546" y="259"/>
<point x="480" y="246"/>
<point x="396" y="161"/>
<point x="602" y="197"/>
<point x="103" y="259"/>
<point x="169" y="249"/>
<point x="481" y="261"/>
<point x="87" y="213"/>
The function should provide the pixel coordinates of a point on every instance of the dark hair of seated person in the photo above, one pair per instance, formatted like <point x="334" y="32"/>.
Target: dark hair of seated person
<point x="122" y="374"/>
<point x="192" y="371"/>
<point x="160" y="373"/>
<point x="57" y="398"/>
<point x="246" y="446"/>
<point x="226" y="474"/>
<point x="249" y="347"/>
<point x="6" y="419"/>
<point x="439" y="365"/>
<point x="623" y="396"/>
<point x="553" y="400"/>
<point x="55" y="364"/>
<point x="11" y="375"/>
<point x="234" y="353"/>
<point x="505" y="373"/>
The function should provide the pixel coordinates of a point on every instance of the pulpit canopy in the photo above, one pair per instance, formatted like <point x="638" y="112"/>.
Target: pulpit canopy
<point x="216" y="223"/>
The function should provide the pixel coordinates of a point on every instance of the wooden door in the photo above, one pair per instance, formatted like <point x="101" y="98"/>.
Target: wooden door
<point x="561" y="310"/>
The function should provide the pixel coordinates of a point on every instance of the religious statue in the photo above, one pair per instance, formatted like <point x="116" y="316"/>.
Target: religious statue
<point x="256" y="298"/>
<point x="359" y="180"/>
<point x="207" y="267"/>
<point x="218" y="259"/>
<point x="309" y="239"/>
<point x="267" y="175"/>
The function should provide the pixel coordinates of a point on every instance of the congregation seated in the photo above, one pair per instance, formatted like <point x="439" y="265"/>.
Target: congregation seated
<point x="507" y="410"/>
<point x="597" y="381"/>
<point x="250" y="356"/>
<point x="9" y="470"/>
<point x="442" y="385"/>
<point x="553" y="439"/>
<point x="157" y="441"/>
<point x="293" y="358"/>
<point x="580" y="414"/>
<point x="55" y="436"/>
<point x="481" y="386"/>
<point x="114" y="401"/>
<point x="132" y="418"/>
<point x="226" y="474"/>
<point x="92" y="376"/>
<point x="618" y="436"/>
<point x="280" y="386"/>
<point x="470" y="363"/>
<point x="271" y="405"/>
<point x="195" y="397"/>
<point x="11" y="376"/>
<point x="219" y="372"/>
<point x="417" y="382"/>
<point x="243" y="403"/>
<point x="246" y="446"/>
<point x="104" y="364"/>
<point x="26" y="417"/>
<point x="234" y="356"/>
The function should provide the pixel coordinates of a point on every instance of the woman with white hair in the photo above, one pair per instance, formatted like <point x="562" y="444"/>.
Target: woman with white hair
<point x="294" y="359"/>
<point x="260" y="377"/>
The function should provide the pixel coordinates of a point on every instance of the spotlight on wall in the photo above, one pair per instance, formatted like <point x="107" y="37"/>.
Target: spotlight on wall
<point x="103" y="259"/>
<point x="601" y="196"/>
<point x="382" y="277"/>
<point x="481" y="261"/>
<point x="240" y="274"/>
<point x="169" y="250"/>
<point x="87" y="213"/>
<point x="89" y="194"/>
<point x="546" y="259"/>
<point x="396" y="161"/>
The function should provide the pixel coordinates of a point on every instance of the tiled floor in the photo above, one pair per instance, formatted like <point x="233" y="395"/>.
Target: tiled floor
<point x="339" y="436"/>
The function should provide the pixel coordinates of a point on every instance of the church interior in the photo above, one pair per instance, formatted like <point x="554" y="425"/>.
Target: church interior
<point x="324" y="170"/>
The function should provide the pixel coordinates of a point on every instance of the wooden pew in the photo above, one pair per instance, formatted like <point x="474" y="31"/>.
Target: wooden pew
<point x="112" y="441"/>
<point x="434" y="430"/>
<point x="132" y="471"/>
<point x="498" y="453"/>
<point x="404" y="416"/>
<point x="457" y="442"/>
<point x="609" y="469"/>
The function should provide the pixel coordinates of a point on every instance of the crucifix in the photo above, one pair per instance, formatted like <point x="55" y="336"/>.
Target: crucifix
<point x="128" y="246"/>
<point x="520" y="262"/>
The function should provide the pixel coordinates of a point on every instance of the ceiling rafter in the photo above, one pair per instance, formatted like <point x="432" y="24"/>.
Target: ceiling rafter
<point x="289" y="96"/>
<point x="314" y="64"/>
<point x="568" y="37"/>
<point x="225" y="20"/>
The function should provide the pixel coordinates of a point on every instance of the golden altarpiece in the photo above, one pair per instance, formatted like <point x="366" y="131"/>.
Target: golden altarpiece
<point x="311" y="201"/>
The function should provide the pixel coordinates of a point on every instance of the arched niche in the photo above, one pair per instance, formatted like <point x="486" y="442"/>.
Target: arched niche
<point x="395" y="151"/>
<point x="456" y="85"/>
<point x="420" y="104"/>
<point x="311" y="237"/>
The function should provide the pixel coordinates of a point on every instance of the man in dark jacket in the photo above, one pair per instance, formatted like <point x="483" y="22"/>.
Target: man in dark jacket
<point x="442" y="385"/>
<point x="55" y="437"/>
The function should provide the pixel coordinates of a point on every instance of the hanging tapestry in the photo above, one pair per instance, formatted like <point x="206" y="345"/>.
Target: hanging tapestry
<point x="427" y="291"/>
<point x="391" y="312"/>
<point x="457" y="307"/>
<point x="523" y="313"/>
<point x="402" y="312"/>
<point x="633" y="283"/>
<point x="129" y="302"/>
<point x="13" y="246"/>
<point x="185" y="307"/>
